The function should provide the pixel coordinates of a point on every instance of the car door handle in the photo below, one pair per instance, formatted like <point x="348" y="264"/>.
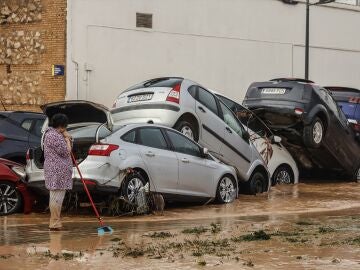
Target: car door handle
<point x="150" y="154"/>
<point x="201" y="109"/>
<point x="228" y="130"/>
<point x="185" y="160"/>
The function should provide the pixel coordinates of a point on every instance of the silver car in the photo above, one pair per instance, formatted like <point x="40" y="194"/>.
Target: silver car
<point x="197" y="113"/>
<point x="171" y="163"/>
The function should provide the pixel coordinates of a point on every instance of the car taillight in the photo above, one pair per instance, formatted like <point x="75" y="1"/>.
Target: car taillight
<point x="357" y="127"/>
<point x="299" y="111"/>
<point x="2" y="138"/>
<point x="102" y="149"/>
<point x="174" y="95"/>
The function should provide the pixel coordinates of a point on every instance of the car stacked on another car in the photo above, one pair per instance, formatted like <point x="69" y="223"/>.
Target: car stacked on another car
<point x="197" y="113"/>
<point x="315" y="129"/>
<point x="18" y="132"/>
<point x="348" y="99"/>
<point x="171" y="163"/>
<point x="281" y="165"/>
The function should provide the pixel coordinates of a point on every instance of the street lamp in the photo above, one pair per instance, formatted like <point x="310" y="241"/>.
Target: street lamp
<point x="307" y="46"/>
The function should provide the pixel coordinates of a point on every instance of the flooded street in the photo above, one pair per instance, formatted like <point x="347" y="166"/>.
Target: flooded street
<point x="307" y="226"/>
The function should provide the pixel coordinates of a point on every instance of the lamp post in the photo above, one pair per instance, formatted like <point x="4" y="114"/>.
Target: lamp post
<point x="307" y="37"/>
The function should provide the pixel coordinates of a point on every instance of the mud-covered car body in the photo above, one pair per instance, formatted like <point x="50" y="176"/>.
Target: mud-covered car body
<point x="18" y="132"/>
<point x="281" y="165"/>
<point x="314" y="128"/>
<point x="14" y="194"/>
<point x="348" y="99"/>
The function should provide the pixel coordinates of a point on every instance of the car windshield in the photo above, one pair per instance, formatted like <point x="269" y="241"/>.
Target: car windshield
<point x="350" y="109"/>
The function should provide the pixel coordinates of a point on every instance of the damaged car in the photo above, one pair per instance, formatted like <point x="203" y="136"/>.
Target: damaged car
<point x="314" y="129"/>
<point x="196" y="112"/>
<point x="119" y="160"/>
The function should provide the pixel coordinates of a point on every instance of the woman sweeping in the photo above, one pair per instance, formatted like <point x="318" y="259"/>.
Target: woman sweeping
<point x="57" y="144"/>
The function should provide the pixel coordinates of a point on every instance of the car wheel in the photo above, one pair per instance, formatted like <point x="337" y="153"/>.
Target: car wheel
<point x="10" y="199"/>
<point x="188" y="129"/>
<point x="226" y="190"/>
<point x="314" y="133"/>
<point x="283" y="175"/>
<point x="131" y="186"/>
<point x="257" y="183"/>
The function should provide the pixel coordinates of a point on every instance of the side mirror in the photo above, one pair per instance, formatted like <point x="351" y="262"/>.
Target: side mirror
<point x="204" y="152"/>
<point x="246" y="136"/>
<point x="275" y="139"/>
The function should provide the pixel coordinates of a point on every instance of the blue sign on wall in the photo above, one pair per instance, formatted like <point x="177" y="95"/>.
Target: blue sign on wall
<point x="58" y="70"/>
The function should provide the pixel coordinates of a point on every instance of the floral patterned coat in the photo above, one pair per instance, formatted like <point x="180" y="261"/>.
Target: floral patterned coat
<point x="58" y="164"/>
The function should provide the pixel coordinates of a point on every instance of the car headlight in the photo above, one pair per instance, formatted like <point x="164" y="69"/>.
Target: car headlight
<point x="20" y="171"/>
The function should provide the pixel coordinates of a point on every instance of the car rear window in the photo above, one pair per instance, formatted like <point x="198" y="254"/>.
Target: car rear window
<point x="159" y="82"/>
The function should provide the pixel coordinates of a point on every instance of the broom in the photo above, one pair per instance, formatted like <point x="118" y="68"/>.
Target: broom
<point x="103" y="229"/>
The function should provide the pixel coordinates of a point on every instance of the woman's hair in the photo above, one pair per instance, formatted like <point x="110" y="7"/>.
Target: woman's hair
<point x="59" y="120"/>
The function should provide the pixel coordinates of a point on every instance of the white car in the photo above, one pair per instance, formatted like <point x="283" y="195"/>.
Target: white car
<point x="171" y="163"/>
<point x="197" y="113"/>
<point x="281" y="165"/>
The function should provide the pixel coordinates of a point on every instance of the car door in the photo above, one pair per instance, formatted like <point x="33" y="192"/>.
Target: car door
<point x="212" y="127"/>
<point x="161" y="162"/>
<point x="235" y="150"/>
<point x="196" y="177"/>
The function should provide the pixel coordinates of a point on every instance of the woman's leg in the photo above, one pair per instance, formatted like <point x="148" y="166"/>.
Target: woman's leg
<point x="55" y="205"/>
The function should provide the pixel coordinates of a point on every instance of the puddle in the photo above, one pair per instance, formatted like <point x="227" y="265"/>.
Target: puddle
<point x="310" y="226"/>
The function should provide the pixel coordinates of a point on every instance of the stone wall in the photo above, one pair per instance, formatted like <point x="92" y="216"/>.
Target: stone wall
<point x="32" y="39"/>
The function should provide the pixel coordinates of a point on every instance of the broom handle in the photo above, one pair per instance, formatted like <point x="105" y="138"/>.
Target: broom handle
<point x="87" y="191"/>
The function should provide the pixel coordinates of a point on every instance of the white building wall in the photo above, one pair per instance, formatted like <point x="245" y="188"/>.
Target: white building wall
<point x="222" y="44"/>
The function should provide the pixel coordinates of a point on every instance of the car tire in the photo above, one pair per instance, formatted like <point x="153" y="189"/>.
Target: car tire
<point x="257" y="184"/>
<point x="130" y="188"/>
<point x="8" y="195"/>
<point x="283" y="175"/>
<point x="226" y="190"/>
<point x="188" y="129"/>
<point x="314" y="133"/>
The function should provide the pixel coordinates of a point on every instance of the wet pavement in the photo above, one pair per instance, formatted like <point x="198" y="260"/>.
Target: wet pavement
<point x="306" y="226"/>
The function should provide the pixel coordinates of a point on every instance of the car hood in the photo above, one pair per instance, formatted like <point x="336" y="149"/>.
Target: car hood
<point x="79" y="112"/>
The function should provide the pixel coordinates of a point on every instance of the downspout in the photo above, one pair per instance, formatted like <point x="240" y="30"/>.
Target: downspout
<point x="70" y="13"/>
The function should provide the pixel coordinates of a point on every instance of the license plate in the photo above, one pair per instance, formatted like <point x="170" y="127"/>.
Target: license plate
<point x="273" y="91"/>
<point x="138" y="98"/>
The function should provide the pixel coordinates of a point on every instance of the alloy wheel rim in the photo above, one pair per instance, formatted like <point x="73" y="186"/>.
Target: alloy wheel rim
<point x="227" y="190"/>
<point x="283" y="177"/>
<point x="186" y="130"/>
<point x="8" y="198"/>
<point x="133" y="189"/>
<point x="317" y="132"/>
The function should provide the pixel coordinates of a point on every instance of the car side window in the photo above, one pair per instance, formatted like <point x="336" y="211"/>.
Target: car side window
<point x="207" y="99"/>
<point x="192" y="91"/>
<point x="231" y="120"/>
<point x="231" y="104"/>
<point x="152" y="137"/>
<point x="37" y="128"/>
<point x="183" y="144"/>
<point x="26" y="124"/>
<point x="129" y="137"/>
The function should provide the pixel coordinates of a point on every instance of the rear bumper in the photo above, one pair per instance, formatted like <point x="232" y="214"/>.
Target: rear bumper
<point x="93" y="186"/>
<point x="163" y="114"/>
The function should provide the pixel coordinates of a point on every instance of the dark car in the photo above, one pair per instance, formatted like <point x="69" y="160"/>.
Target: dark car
<point x="314" y="128"/>
<point x="19" y="131"/>
<point x="14" y="195"/>
<point x="348" y="99"/>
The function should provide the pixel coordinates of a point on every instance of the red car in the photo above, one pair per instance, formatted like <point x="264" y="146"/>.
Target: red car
<point x="14" y="195"/>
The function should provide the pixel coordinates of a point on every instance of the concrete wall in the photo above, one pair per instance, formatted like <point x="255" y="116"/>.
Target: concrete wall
<point x="225" y="45"/>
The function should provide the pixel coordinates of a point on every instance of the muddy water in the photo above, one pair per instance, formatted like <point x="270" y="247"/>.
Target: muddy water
<point x="310" y="226"/>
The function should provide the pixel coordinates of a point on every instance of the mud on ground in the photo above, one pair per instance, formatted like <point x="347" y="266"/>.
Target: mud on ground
<point x="308" y="226"/>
